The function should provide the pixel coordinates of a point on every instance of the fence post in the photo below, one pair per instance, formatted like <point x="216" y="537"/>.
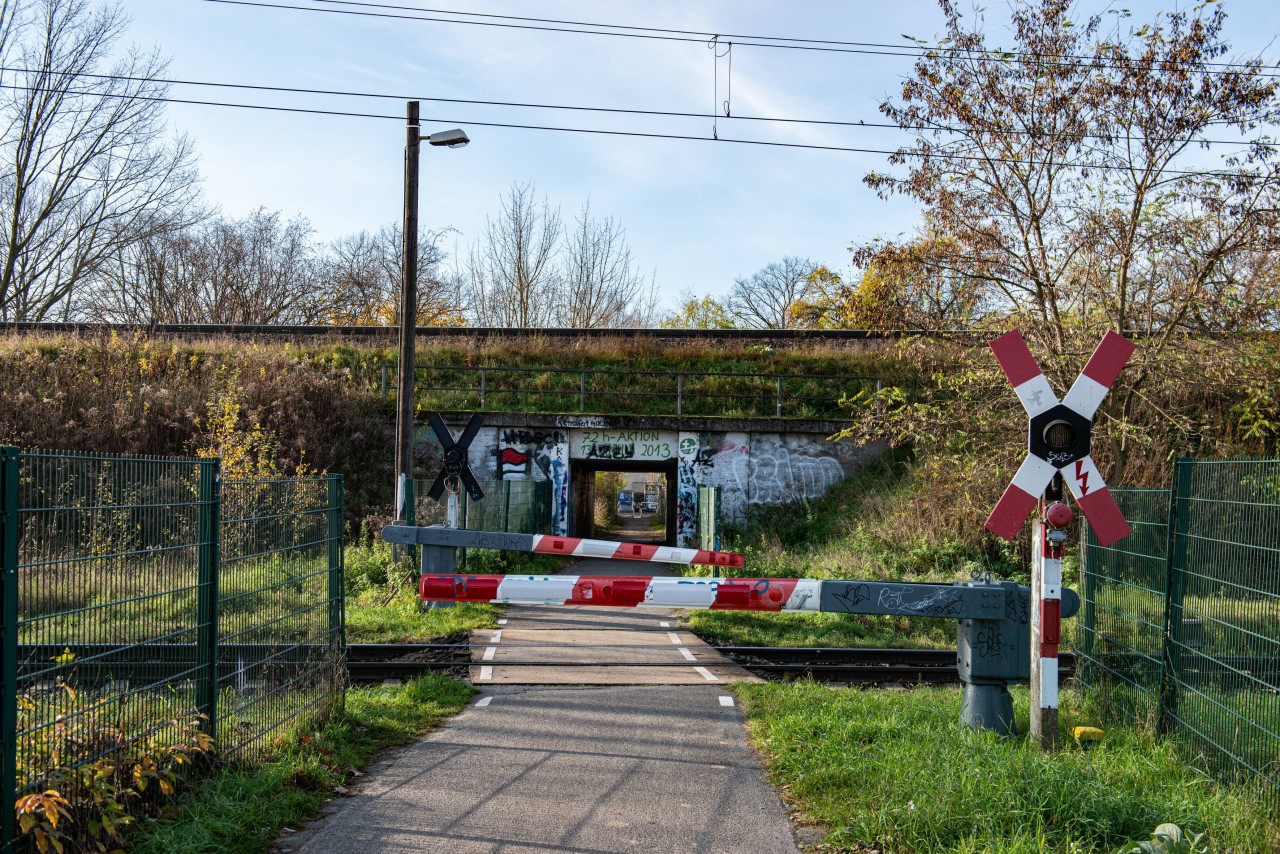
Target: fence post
<point x="210" y="501"/>
<point x="337" y="627"/>
<point x="9" y="463"/>
<point x="1175" y="567"/>
<point x="506" y="505"/>
<point x="411" y="516"/>
<point x="679" y="394"/>
<point x="482" y="391"/>
<point x="1088" y="617"/>
<point x="582" y="392"/>
<point x="779" y="398"/>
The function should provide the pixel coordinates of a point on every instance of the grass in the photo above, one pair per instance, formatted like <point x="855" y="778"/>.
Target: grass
<point x="242" y="810"/>
<point x="382" y="599"/>
<point x="373" y="619"/>
<point x="865" y="527"/>
<point x="895" y="772"/>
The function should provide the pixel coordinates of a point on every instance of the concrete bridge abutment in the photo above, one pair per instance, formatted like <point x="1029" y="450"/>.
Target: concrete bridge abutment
<point x="753" y="461"/>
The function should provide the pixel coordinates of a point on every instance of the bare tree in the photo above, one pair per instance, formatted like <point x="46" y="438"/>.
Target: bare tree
<point x="363" y="276"/>
<point x="767" y="298"/>
<point x="87" y="167"/>
<point x="257" y="270"/>
<point x="600" y="285"/>
<point x="512" y="271"/>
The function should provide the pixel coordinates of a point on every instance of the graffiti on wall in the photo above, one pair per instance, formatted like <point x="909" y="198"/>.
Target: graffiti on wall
<point x="621" y="445"/>
<point x="538" y="455"/>
<point x="687" y="489"/>
<point x="779" y="475"/>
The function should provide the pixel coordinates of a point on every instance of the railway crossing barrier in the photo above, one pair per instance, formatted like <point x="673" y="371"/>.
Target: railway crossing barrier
<point x="993" y="637"/>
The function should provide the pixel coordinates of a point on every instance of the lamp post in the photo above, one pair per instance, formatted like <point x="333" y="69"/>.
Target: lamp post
<point x="454" y="138"/>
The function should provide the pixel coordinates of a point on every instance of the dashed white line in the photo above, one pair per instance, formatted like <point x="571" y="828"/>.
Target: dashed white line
<point x="675" y="638"/>
<point x="725" y="700"/>
<point x="706" y="674"/>
<point x="665" y="625"/>
<point x="486" y="672"/>
<point x="488" y="653"/>
<point x="502" y="622"/>
<point x="484" y="701"/>
<point x="685" y="652"/>
<point x="497" y="637"/>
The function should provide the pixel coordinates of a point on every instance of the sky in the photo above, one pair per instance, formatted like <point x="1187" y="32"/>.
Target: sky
<point x="697" y="213"/>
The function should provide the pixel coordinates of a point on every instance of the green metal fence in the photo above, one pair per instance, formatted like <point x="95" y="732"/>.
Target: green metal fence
<point x="145" y="598"/>
<point x="515" y="506"/>
<point x="1181" y="624"/>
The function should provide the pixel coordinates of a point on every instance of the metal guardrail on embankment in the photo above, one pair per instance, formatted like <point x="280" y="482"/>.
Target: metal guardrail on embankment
<point x="389" y="334"/>
<point x="604" y="391"/>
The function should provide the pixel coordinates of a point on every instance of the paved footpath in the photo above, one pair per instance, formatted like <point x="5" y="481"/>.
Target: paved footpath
<point x="573" y="768"/>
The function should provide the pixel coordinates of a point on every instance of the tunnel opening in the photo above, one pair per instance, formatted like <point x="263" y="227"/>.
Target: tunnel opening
<point x="633" y="501"/>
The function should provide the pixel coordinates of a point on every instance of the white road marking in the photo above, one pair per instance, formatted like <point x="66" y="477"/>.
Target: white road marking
<point x="484" y="701"/>
<point x="497" y="637"/>
<point x="707" y="674"/>
<point x="685" y="652"/>
<point x="488" y="653"/>
<point x="725" y="700"/>
<point x="486" y="672"/>
<point x="665" y="625"/>
<point x="675" y="638"/>
<point x="502" y="622"/>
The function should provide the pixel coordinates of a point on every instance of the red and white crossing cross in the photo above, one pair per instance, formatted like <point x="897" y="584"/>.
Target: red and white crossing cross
<point x="1059" y="436"/>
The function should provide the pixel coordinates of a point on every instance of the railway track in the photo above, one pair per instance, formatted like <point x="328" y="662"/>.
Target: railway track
<point x="379" y="662"/>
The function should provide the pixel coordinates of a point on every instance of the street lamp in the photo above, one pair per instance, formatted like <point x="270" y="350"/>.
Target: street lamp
<point x="454" y="138"/>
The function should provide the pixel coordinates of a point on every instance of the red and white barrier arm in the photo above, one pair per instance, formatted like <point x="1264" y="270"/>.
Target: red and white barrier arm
<point x="573" y="547"/>
<point x="627" y="591"/>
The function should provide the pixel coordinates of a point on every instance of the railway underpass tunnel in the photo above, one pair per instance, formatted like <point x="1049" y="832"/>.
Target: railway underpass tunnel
<point x="621" y="499"/>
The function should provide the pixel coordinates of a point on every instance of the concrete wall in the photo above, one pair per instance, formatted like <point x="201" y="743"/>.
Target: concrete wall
<point x="770" y="463"/>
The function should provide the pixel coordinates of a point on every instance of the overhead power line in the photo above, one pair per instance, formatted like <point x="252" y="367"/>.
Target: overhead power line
<point x="776" y="42"/>
<point x="1218" y="173"/>
<point x="703" y="35"/>
<point x="258" y="87"/>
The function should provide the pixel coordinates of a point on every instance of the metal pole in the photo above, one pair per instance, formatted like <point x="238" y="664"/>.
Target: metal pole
<point x="10" y="460"/>
<point x="679" y="394"/>
<point x="779" y="398"/>
<point x="1046" y="611"/>
<point x="408" y="311"/>
<point x="337" y="628"/>
<point x="210" y="529"/>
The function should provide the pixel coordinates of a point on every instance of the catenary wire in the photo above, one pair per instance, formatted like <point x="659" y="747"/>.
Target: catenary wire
<point x="1218" y="173"/>
<point x="258" y="87"/>
<point x="908" y="52"/>
<point x="708" y="35"/>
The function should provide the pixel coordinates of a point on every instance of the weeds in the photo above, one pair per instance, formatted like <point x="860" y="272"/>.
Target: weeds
<point x="88" y="775"/>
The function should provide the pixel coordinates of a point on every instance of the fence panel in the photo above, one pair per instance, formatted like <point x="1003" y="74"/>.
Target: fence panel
<point x="1121" y="630"/>
<point x="515" y="506"/>
<point x="1180" y="627"/>
<point x="137" y="598"/>
<point x="1223" y="658"/>
<point x="280" y="650"/>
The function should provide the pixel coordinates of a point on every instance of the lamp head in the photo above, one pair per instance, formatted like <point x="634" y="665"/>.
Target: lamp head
<point x="453" y="138"/>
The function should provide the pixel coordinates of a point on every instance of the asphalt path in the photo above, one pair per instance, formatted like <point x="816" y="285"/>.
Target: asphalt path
<point x="559" y="768"/>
